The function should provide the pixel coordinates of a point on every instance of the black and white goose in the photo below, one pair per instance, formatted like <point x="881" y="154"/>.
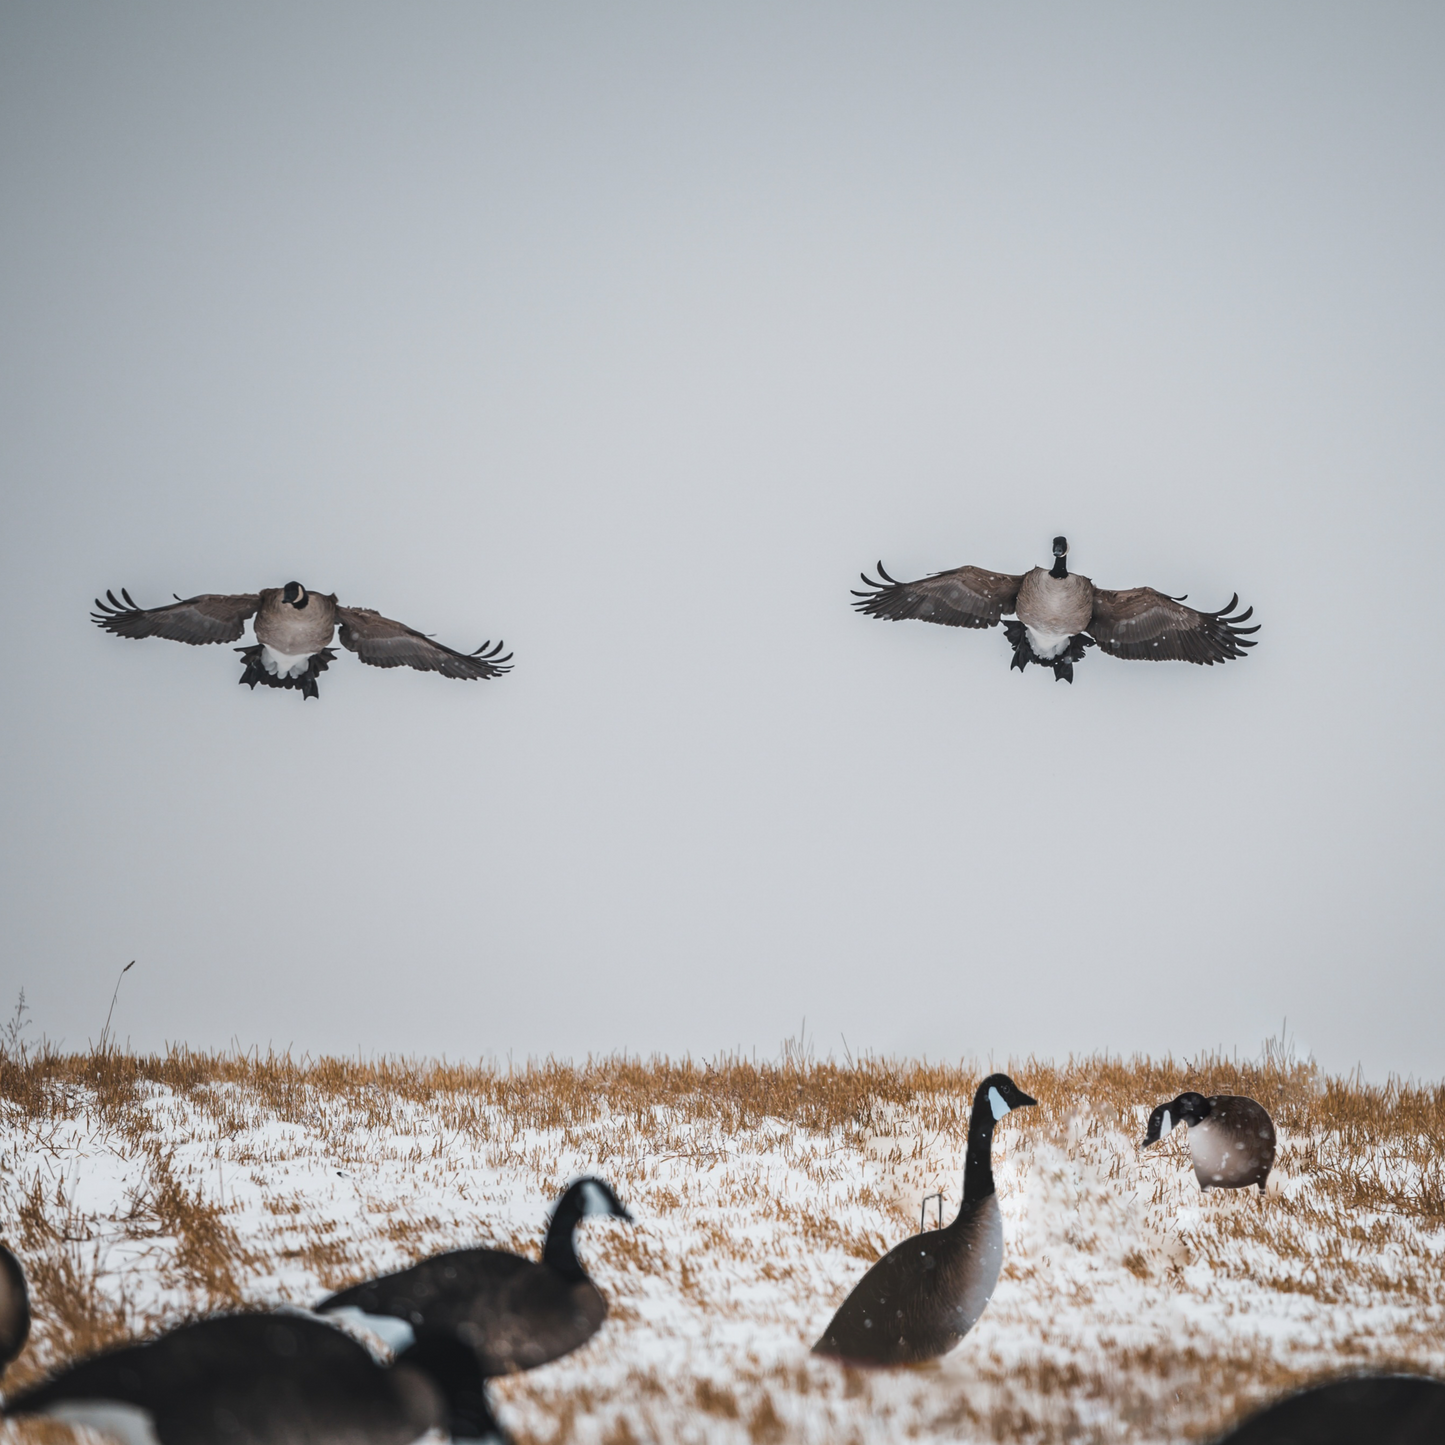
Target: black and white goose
<point x="1231" y="1138"/>
<point x="1378" y="1409"/>
<point x="1061" y="613"/>
<point x="293" y="635"/>
<point x="513" y="1313"/>
<point x="925" y="1294"/>
<point x="267" y="1379"/>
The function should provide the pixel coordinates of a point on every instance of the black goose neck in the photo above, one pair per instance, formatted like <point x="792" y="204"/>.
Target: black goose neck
<point x="978" y="1162"/>
<point x="1059" y="570"/>
<point x="558" y="1252"/>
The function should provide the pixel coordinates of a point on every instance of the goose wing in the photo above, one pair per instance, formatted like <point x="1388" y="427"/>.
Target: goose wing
<point x="383" y="643"/>
<point x="964" y="597"/>
<point x="1142" y="623"/>
<point x="211" y="617"/>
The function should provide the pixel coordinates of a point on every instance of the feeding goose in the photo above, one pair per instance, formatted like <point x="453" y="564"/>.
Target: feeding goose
<point x="293" y="635"/>
<point x="514" y="1313"/>
<point x="267" y="1379"/>
<point x="1231" y="1138"/>
<point x="1061" y="613"/>
<point x="925" y="1294"/>
<point x="1380" y="1409"/>
<point x="14" y="1308"/>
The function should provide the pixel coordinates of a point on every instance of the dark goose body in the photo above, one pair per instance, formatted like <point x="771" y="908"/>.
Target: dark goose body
<point x="1231" y="1138"/>
<point x="513" y="1313"/>
<point x="266" y="1379"/>
<point x="1368" y="1410"/>
<point x="925" y="1294"/>
<point x="14" y="1308"/>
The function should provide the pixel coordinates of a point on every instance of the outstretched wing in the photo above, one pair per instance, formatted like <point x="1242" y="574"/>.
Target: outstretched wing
<point x="196" y="620"/>
<point x="965" y="597"/>
<point x="1142" y="623"/>
<point x="383" y="643"/>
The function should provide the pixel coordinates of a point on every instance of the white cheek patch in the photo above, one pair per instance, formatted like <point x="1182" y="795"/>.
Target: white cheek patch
<point x="594" y="1200"/>
<point x="395" y="1334"/>
<point x="127" y="1423"/>
<point x="1166" y="1125"/>
<point x="996" y="1103"/>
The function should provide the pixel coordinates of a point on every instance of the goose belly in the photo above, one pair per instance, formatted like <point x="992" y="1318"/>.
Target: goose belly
<point x="1218" y="1160"/>
<point x="1054" y="609"/>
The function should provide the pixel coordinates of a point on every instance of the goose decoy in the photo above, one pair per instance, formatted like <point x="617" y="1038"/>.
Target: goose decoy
<point x="293" y="635"/>
<point x="514" y="1313"/>
<point x="1061" y="613"/>
<point x="268" y="1379"/>
<point x="925" y="1294"/>
<point x="1380" y="1409"/>
<point x="14" y="1308"/>
<point x="1231" y="1138"/>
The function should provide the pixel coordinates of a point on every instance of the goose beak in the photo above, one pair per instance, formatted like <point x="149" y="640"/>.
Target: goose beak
<point x="1024" y="1101"/>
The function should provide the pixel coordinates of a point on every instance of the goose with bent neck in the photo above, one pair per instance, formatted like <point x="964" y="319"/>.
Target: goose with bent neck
<point x="925" y="1294"/>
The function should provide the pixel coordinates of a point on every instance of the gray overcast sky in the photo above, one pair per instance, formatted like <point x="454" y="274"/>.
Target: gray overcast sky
<point x="630" y="334"/>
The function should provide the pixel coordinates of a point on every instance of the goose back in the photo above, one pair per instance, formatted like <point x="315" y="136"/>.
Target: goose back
<point x="244" y="1379"/>
<point x="514" y="1313"/>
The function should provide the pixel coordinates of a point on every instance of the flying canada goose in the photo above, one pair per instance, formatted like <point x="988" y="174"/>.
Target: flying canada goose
<point x="1231" y="1138"/>
<point x="925" y="1294"/>
<point x="293" y="635"/>
<point x="514" y="1313"/>
<point x="1061" y="613"/>
<point x="267" y="1379"/>
<point x="1380" y="1409"/>
<point x="14" y="1308"/>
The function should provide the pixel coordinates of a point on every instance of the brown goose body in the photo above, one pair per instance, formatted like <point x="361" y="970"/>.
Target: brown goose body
<point x="294" y="628"/>
<point x="512" y="1313"/>
<point x="14" y="1308"/>
<point x="1231" y="1138"/>
<point x="265" y="1379"/>
<point x="925" y="1294"/>
<point x="1061" y="613"/>
<point x="1378" y="1409"/>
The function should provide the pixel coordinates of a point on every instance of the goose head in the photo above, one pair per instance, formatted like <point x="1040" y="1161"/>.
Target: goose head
<point x="1187" y="1109"/>
<point x="1061" y="552"/>
<point x="295" y="594"/>
<point x="1003" y="1096"/>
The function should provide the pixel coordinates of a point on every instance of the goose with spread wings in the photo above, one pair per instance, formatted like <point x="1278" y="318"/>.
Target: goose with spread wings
<point x="1059" y="614"/>
<point x="294" y="628"/>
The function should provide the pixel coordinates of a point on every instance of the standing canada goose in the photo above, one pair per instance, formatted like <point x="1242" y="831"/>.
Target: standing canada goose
<point x="925" y="1294"/>
<point x="1231" y="1138"/>
<point x="1380" y="1409"/>
<point x="1061" y="613"/>
<point x="267" y="1379"/>
<point x="14" y="1308"/>
<point x="514" y="1313"/>
<point x="293" y="635"/>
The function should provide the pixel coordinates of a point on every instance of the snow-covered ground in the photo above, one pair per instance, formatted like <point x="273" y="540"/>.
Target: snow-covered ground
<point x="1130" y="1307"/>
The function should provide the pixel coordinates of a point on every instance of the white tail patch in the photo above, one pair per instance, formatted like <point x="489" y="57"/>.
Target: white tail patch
<point x="127" y="1423"/>
<point x="996" y="1103"/>
<point x="395" y="1334"/>
<point x="284" y="664"/>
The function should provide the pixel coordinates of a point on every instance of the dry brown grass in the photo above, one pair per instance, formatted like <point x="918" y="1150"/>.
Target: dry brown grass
<point x="139" y="1190"/>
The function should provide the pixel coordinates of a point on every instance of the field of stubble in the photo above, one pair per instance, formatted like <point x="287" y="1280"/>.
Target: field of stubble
<point x="140" y="1191"/>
